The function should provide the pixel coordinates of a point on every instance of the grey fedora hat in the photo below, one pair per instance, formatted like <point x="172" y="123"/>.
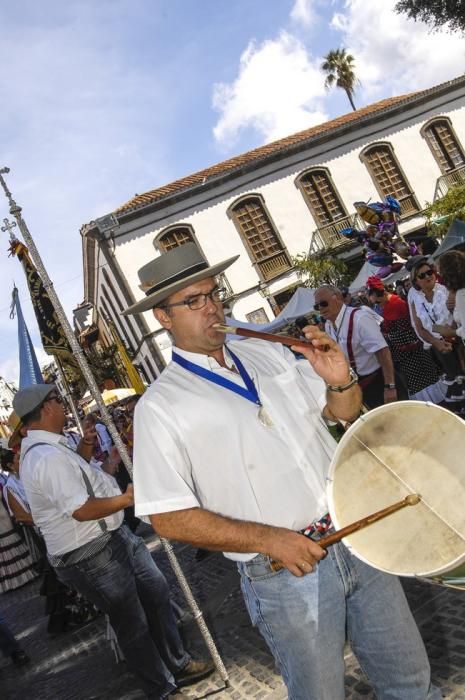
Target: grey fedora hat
<point x="172" y="271"/>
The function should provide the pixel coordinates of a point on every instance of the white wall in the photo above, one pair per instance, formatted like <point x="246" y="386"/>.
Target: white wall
<point x="6" y="400"/>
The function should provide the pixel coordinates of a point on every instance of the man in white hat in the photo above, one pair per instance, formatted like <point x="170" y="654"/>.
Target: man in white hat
<point x="231" y="454"/>
<point x="79" y="511"/>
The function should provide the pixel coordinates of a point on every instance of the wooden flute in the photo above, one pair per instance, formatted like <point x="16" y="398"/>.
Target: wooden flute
<point x="272" y="337"/>
<point x="337" y="536"/>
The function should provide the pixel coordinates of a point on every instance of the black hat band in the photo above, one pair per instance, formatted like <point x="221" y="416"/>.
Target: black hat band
<point x="178" y="277"/>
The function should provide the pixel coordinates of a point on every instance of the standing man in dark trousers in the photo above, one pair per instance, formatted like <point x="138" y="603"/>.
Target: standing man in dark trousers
<point x="358" y="332"/>
<point x="79" y="510"/>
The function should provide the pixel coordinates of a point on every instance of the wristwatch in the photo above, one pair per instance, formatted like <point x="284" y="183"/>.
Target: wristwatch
<point x="339" y="389"/>
<point x="389" y="386"/>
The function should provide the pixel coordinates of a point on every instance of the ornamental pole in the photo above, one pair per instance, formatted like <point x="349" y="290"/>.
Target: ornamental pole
<point x="81" y="359"/>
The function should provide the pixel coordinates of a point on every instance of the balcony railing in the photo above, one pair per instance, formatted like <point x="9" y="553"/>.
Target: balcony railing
<point x="445" y="182"/>
<point x="408" y="205"/>
<point x="330" y="236"/>
<point x="224" y="283"/>
<point x="274" y="265"/>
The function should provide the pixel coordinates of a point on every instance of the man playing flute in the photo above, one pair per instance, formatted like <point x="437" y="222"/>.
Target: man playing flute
<point x="232" y="453"/>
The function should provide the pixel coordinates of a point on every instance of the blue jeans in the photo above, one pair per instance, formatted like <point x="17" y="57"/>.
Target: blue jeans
<point x="123" y="581"/>
<point x="305" y="622"/>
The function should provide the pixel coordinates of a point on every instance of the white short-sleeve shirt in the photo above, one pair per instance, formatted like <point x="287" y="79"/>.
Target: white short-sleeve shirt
<point x="430" y="312"/>
<point x="51" y="474"/>
<point x="200" y="445"/>
<point x="367" y="338"/>
<point x="459" y="313"/>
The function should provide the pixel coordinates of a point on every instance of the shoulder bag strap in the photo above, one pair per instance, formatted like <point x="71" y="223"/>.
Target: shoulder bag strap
<point x="350" y="333"/>
<point x="88" y="485"/>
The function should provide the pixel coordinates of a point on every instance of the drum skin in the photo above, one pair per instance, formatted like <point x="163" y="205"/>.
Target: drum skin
<point x="392" y="451"/>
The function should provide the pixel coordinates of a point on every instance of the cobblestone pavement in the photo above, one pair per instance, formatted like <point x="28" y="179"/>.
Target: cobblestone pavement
<point x="80" y="665"/>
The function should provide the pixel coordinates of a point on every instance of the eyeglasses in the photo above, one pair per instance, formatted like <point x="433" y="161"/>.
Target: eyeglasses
<point x="198" y="301"/>
<point x="54" y="397"/>
<point x="424" y="275"/>
<point x="321" y="305"/>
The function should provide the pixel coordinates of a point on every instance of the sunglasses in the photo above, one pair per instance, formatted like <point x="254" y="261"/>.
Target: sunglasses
<point x="54" y="397"/>
<point x="321" y="305"/>
<point x="424" y="275"/>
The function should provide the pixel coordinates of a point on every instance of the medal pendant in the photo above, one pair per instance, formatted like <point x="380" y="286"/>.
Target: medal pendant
<point x="264" y="418"/>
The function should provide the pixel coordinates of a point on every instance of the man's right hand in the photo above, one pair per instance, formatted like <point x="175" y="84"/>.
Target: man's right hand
<point x="297" y="553"/>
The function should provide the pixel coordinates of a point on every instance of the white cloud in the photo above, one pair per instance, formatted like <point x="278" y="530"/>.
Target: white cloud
<point x="303" y="12"/>
<point x="395" y="55"/>
<point x="278" y="91"/>
<point x="279" y="88"/>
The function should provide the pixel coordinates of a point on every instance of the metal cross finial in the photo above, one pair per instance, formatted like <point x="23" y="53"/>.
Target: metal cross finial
<point x="14" y="208"/>
<point x="9" y="228"/>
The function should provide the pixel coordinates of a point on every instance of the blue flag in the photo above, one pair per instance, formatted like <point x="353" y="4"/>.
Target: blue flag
<point x="29" y="371"/>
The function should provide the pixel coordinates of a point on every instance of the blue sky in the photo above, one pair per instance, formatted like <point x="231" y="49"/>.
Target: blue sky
<point x="105" y="98"/>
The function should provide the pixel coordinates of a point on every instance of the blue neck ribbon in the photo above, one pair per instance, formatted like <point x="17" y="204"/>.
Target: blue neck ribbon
<point x="250" y="392"/>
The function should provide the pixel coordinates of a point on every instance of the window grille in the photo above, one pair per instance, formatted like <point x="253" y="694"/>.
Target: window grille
<point x="174" y="238"/>
<point x="444" y="145"/>
<point x="261" y="239"/>
<point x="322" y="197"/>
<point x="389" y="177"/>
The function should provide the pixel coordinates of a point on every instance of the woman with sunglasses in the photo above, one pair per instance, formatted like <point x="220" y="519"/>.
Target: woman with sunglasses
<point x="414" y="364"/>
<point x="430" y="319"/>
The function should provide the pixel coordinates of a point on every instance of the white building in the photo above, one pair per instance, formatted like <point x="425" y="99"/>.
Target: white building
<point x="7" y="392"/>
<point x="51" y="375"/>
<point x="272" y="203"/>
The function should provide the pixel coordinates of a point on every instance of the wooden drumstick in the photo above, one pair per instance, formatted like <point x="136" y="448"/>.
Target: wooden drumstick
<point x="337" y="536"/>
<point x="274" y="338"/>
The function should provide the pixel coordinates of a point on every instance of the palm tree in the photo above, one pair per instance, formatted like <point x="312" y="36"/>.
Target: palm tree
<point x="339" y="67"/>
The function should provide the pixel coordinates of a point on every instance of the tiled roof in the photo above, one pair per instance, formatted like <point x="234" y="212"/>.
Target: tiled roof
<point x="261" y="153"/>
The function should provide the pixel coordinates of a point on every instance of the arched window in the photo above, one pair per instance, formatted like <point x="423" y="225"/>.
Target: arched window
<point x="321" y="196"/>
<point x="177" y="235"/>
<point x="444" y="144"/>
<point x="260" y="236"/>
<point x="389" y="177"/>
<point x="174" y="236"/>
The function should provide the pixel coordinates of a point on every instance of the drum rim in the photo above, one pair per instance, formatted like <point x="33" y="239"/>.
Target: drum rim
<point x="385" y="408"/>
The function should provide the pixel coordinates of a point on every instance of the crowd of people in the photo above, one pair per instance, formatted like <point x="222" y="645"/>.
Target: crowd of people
<point x="71" y="512"/>
<point x="404" y="341"/>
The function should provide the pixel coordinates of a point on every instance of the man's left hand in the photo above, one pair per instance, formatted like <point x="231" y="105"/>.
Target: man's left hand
<point x="325" y="356"/>
<point x="89" y="433"/>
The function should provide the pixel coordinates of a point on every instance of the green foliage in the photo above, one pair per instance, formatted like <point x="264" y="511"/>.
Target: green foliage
<point x="317" y="270"/>
<point x="339" y="68"/>
<point x="446" y="209"/>
<point x="436" y="13"/>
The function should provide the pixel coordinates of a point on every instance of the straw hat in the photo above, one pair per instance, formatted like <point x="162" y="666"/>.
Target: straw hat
<point x="172" y="271"/>
<point x="15" y="425"/>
